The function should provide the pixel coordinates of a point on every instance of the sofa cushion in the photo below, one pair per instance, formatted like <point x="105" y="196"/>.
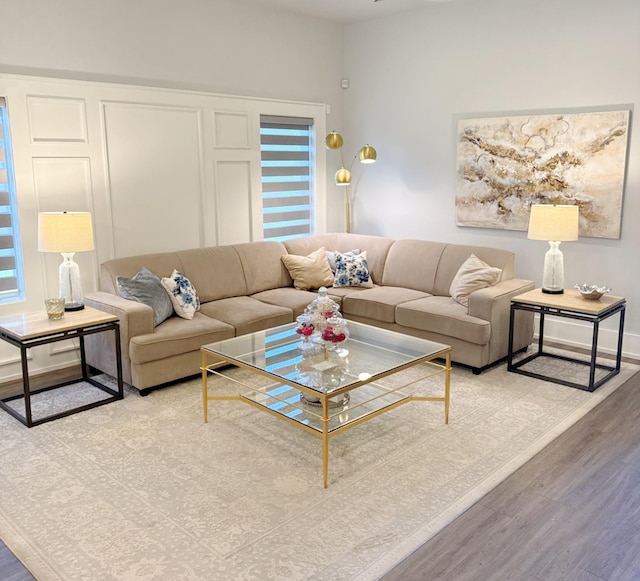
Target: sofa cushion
<point x="474" y="274"/>
<point x="304" y="245"/>
<point x="176" y="336"/>
<point x="145" y="287"/>
<point x="261" y="265"/>
<point x="216" y="272"/>
<point x="288" y="297"/>
<point x="352" y="270"/>
<point x="309" y="272"/>
<point x="247" y="314"/>
<point x="161" y="264"/>
<point x="182" y="293"/>
<point x="378" y="303"/>
<point x="413" y="264"/>
<point x="444" y="316"/>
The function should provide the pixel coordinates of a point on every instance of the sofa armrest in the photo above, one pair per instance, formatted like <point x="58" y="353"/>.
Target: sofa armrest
<point x="493" y="304"/>
<point x="135" y="319"/>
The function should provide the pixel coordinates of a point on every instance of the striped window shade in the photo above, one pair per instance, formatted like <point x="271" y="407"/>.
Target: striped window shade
<point x="287" y="177"/>
<point x="11" y="287"/>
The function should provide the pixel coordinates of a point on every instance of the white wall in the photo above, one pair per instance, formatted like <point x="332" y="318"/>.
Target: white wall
<point x="198" y="77"/>
<point x="412" y="75"/>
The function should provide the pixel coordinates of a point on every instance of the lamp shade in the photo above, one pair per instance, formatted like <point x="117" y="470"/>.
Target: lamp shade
<point x="553" y="222"/>
<point x="65" y="232"/>
<point x="343" y="177"/>
<point x="334" y="140"/>
<point x="368" y="154"/>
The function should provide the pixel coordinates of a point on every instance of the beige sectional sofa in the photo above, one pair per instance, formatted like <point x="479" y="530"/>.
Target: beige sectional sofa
<point x="246" y="287"/>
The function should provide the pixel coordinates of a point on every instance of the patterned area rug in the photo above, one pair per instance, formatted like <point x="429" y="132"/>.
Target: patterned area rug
<point x="142" y="489"/>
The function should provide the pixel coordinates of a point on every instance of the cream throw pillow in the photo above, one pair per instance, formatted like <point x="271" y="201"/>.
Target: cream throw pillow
<point x="473" y="275"/>
<point x="309" y="272"/>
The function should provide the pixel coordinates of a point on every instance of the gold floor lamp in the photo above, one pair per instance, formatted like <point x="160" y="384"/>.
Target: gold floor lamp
<point x="367" y="154"/>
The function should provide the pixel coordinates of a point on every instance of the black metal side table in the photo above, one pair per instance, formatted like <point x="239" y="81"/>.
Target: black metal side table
<point x="32" y="329"/>
<point x="570" y="305"/>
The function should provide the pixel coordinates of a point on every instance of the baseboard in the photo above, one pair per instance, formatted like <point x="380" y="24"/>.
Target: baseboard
<point x="39" y="380"/>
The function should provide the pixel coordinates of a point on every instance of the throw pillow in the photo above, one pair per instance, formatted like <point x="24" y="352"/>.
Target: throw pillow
<point x="182" y="294"/>
<point x="331" y="257"/>
<point x="309" y="272"/>
<point x="352" y="270"/>
<point x="473" y="275"/>
<point x="145" y="287"/>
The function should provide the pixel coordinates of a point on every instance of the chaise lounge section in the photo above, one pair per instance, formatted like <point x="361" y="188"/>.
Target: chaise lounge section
<point x="247" y="287"/>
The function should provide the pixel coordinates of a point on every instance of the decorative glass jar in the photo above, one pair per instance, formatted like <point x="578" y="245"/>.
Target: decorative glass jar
<point x="335" y="330"/>
<point x="322" y="308"/>
<point x="305" y="328"/>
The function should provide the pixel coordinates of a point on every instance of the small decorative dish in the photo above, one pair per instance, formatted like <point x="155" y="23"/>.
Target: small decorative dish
<point x="592" y="292"/>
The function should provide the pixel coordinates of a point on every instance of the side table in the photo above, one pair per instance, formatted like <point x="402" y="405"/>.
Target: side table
<point x="32" y="329"/>
<point x="569" y="305"/>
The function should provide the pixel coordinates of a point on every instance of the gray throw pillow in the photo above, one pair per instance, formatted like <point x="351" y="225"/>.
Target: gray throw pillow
<point x="145" y="287"/>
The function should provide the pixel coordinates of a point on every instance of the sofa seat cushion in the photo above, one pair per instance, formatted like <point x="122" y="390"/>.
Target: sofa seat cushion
<point x="379" y="303"/>
<point x="247" y="314"/>
<point x="289" y="297"/>
<point x="444" y="316"/>
<point x="176" y="336"/>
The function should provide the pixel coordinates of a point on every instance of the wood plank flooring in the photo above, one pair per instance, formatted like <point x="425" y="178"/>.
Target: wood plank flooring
<point x="572" y="513"/>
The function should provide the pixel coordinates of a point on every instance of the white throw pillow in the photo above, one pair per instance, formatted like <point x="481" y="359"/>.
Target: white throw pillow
<point x="473" y="275"/>
<point x="182" y="294"/>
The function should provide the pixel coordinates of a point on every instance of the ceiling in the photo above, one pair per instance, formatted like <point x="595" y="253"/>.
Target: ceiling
<point x="346" y="11"/>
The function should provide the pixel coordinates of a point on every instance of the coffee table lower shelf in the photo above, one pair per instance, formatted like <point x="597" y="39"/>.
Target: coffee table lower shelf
<point x="325" y="419"/>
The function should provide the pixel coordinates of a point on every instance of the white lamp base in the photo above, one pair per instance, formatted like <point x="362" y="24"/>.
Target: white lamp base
<point x="553" y="274"/>
<point x="70" y="285"/>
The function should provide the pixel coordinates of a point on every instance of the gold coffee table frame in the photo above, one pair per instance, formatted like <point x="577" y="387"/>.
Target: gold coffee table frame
<point x="374" y="354"/>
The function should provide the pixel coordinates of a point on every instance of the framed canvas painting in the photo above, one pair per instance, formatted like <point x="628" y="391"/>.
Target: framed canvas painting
<point x="505" y="164"/>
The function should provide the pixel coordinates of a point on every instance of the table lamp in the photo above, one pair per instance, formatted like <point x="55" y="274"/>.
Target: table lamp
<point x="67" y="233"/>
<point x="555" y="224"/>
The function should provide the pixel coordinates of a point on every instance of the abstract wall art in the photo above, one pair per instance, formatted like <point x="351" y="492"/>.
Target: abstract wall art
<point x="507" y="163"/>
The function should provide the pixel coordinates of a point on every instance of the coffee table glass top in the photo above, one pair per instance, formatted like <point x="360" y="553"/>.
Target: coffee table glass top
<point x="368" y="354"/>
<point x="326" y="391"/>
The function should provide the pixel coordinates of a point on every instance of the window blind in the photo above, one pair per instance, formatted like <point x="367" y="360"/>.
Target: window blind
<point x="285" y="146"/>
<point x="10" y="264"/>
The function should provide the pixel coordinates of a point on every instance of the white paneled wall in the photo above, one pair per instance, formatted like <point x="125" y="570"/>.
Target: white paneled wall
<point x="154" y="163"/>
<point x="159" y="169"/>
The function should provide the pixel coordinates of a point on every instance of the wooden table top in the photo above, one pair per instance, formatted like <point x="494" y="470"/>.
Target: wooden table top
<point x="36" y="324"/>
<point x="570" y="300"/>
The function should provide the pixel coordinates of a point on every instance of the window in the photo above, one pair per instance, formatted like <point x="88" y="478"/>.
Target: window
<point x="285" y="145"/>
<point x="11" y="287"/>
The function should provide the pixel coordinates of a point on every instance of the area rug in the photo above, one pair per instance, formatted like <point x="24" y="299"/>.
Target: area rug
<point x="142" y="489"/>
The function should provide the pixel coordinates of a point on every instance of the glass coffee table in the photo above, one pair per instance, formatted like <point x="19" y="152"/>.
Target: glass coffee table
<point x="327" y="390"/>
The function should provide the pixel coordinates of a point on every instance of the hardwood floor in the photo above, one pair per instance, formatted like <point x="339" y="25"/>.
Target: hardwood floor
<point x="572" y="513"/>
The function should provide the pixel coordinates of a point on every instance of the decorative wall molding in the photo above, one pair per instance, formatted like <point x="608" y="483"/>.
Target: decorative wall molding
<point x="57" y="119"/>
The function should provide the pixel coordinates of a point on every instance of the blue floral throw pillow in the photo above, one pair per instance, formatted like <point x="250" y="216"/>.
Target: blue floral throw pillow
<point x="352" y="270"/>
<point x="182" y="294"/>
